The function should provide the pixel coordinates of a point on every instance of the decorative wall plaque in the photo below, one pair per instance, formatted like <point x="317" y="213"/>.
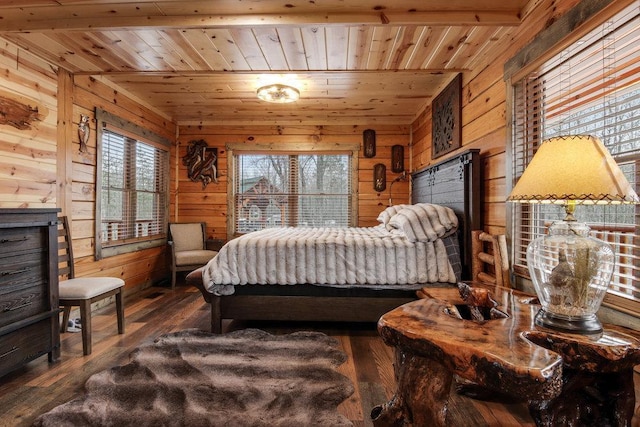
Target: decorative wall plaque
<point x="445" y="116"/>
<point x="83" y="132"/>
<point x="19" y="111"/>
<point x="397" y="158"/>
<point x="201" y="162"/>
<point x="379" y="177"/>
<point x="369" y="142"/>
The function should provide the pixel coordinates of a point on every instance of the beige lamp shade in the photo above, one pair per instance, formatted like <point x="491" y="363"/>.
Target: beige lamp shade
<point x="573" y="168"/>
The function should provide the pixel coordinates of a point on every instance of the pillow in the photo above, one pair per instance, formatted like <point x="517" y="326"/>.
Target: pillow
<point x="425" y="222"/>
<point x="386" y="214"/>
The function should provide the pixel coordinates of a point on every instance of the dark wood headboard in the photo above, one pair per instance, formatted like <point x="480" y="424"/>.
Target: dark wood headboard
<point x="454" y="182"/>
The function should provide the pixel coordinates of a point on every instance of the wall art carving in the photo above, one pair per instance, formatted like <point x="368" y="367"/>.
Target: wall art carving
<point x="201" y="162"/>
<point x="20" y="112"/>
<point x="445" y="113"/>
<point x="369" y="142"/>
<point x="379" y="177"/>
<point x="83" y="132"/>
<point x="397" y="158"/>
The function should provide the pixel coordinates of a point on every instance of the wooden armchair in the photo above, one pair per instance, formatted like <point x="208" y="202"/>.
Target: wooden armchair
<point x="188" y="247"/>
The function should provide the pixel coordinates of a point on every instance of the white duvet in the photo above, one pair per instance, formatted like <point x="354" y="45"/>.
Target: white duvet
<point x="410" y="252"/>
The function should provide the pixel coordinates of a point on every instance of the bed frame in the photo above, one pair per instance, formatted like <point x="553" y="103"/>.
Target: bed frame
<point x="454" y="182"/>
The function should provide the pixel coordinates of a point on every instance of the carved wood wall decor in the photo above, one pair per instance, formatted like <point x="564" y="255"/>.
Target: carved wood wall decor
<point x="83" y="132"/>
<point x="20" y="112"/>
<point x="201" y="162"/>
<point x="369" y="142"/>
<point x="397" y="158"/>
<point x="379" y="177"/>
<point x="445" y="113"/>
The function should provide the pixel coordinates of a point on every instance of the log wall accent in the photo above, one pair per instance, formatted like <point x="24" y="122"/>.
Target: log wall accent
<point x="193" y="203"/>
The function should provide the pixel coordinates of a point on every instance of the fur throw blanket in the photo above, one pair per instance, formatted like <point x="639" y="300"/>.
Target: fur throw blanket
<point x="406" y="251"/>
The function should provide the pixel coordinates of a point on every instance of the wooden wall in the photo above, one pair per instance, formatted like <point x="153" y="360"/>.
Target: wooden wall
<point x="28" y="155"/>
<point x="138" y="269"/>
<point x="192" y="203"/>
<point x="42" y="166"/>
<point x="484" y="115"/>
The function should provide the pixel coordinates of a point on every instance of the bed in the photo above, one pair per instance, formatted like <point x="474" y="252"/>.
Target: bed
<point x="452" y="183"/>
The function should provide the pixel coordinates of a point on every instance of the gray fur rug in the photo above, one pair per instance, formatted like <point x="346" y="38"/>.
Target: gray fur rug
<point x="194" y="378"/>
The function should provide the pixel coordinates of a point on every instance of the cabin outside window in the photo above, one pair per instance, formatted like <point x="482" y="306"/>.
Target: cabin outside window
<point x="132" y="189"/>
<point x="303" y="189"/>
<point x="590" y="87"/>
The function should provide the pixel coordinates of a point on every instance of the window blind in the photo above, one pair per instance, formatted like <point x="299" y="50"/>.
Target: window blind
<point x="302" y="189"/>
<point x="591" y="87"/>
<point x="133" y="193"/>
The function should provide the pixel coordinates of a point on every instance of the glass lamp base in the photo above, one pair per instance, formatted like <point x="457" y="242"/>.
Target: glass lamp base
<point x="586" y="325"/>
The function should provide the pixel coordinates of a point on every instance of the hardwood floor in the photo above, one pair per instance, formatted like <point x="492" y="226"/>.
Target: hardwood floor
<point x="38" y="387"/>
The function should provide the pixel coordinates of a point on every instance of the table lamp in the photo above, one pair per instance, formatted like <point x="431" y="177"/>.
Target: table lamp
<point x="570" y="270"/>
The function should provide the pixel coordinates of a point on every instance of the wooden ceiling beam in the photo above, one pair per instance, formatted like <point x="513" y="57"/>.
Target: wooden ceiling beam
<point x="62" y="22"/>
<point x="302" y="74"/>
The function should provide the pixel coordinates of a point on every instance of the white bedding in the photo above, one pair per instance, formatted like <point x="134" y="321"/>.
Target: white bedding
<point x="403" y="250"/>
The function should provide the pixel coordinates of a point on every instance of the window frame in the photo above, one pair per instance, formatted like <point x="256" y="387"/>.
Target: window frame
<point x="570" y="28"/>
<point x="235" y="149"/>
<point x="127" y="129"/>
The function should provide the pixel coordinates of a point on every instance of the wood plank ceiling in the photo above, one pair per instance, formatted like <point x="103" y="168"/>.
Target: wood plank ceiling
<point x="200" y="62"/>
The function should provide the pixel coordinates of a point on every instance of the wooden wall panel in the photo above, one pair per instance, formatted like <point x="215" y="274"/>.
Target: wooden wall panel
<point x="193" y="203"/>
<point x="139" y="269"/>
<point x="484" y="112"/>
<point x="42" y="167"/>
<point x="28" y="156"/>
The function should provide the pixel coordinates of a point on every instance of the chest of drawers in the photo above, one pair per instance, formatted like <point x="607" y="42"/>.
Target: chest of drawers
<point x="29" y="311"/>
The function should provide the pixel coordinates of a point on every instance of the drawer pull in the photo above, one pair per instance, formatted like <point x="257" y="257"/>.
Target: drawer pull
<point x="13" y="350"/>
<point x="9" y="273"/>
<point x="17" y="307"/>
<point x="18" y="239"/>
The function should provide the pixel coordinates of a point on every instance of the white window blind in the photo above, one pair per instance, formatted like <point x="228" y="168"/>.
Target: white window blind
<point x="302" y="189"/>
<point x="133" y="191"/>
<point x="591" y="87"/>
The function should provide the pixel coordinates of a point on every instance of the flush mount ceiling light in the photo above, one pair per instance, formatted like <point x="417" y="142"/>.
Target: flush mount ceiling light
<point x="278" y="93"/>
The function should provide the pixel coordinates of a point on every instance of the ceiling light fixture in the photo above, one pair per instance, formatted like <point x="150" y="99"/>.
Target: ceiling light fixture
<point x="278" y="93"/>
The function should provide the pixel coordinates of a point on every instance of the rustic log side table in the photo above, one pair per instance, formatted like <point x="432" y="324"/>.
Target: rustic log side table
<point x="566" y="379"/>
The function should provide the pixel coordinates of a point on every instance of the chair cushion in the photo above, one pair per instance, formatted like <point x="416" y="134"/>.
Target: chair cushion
<point x="187" y="237"/>
<point x="88" y="287"/>
<point x="194" y="257"/>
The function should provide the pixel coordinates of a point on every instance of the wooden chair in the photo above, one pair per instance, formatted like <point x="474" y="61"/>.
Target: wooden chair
<point x="490" y="259"/>
<point x="188" y="247"/>
<point x="83" y="291"/>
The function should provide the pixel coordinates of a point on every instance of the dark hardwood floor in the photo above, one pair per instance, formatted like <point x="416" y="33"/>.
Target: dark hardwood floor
<point x="38" y="387"/>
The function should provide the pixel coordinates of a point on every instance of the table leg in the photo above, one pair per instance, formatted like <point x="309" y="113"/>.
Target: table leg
<point x="606" y="399"/>
<point x="422" y="395"/>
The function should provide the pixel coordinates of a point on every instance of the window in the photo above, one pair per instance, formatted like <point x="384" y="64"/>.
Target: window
<point x="591" y="87"/>
<point x="132" y="199"/>
<point x="305" y="189"/>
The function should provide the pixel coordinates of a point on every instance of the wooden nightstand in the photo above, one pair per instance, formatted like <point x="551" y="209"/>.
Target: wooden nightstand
<point x="556" y="373"/>
<point x="214" y="244"/>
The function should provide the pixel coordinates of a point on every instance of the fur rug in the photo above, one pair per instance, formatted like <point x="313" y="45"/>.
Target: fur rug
<point x="194" y="378"/>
